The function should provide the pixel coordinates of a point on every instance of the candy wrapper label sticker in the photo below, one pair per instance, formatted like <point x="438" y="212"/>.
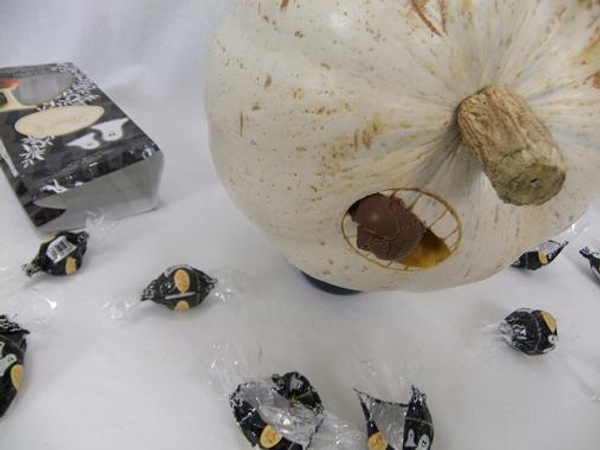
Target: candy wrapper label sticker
<point x="282" y="413"/>
<point x="593" y="257"/>
<point x="60" y="255"/>
<point x="180" y="288"/>
<point x="12" y="354"/>
<point x="533" y="332"/>
<point x="398" y="426"/>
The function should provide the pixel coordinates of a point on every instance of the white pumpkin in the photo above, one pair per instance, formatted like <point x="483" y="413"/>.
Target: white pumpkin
<point x="315" y="104"/>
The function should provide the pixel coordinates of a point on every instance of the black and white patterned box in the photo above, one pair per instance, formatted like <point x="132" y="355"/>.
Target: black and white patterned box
<point x="66" y="148"/>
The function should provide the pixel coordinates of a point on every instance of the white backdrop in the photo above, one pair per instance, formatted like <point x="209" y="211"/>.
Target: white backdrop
<point x="141" y="383"/>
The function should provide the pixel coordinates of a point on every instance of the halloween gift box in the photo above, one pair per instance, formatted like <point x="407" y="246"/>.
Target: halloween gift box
<point x="66" y="148"/>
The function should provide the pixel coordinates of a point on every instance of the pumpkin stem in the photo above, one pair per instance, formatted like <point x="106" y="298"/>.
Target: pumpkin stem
<point x="517" y="151"/>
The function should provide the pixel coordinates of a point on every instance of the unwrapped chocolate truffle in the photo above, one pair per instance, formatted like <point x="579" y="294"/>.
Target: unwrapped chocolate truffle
<point x="12" y="354"/>
<point x="540" y="256"/>
<point x="282" y="413"/>
<point x="180" y="288"/>
<point x="534" y="332"/>
<point x="60" y="255"/>
<point x="594" y="258"/>
<point x="398" y="426"/>
<point x="386" y="227"/>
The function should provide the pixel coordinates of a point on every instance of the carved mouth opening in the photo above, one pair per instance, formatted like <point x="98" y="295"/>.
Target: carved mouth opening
<point x="406" y="230"/>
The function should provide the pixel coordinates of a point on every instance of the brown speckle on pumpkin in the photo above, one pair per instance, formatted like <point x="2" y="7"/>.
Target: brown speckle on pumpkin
<point x="298" y="93"/>
<point x="256" y="107"/>
<point x="325" y="66"/>
<point x="560" y="13"/>
<point x="299" y="34"/>
<point x="467" y="7"/>
<point x="241" y="123"/>
<point x="587" y="4"/>
<point x="596" y="80"/>
<point x="419" y="7"/>
<point x="496" y="215"/>
<point x="592" y="51"/>
<point x="268" y="81"/>
<point x="284" y="5"/>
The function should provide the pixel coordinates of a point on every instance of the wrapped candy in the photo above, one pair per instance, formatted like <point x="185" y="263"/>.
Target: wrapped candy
<point x="533" y="332"/>
<point x="12" y="354"/>
<point x="540" y="256"/>
<point x="282" y="413"/>
<point x="61" y="255"/>
<point x="398" y="426"/>
<point x="180" y="288"/>
<point x="594" y="258"/>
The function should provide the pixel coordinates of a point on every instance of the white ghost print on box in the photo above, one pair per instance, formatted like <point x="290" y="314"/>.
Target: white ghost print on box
<point x="87" y="142"/>
<point x="112" y="130"/>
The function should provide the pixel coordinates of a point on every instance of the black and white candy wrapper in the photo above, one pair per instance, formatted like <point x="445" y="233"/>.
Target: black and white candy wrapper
<point x="540" y="256"/>
<point x="13" y="346"/>
<point x="181" y="288"/>
<point x="533" y="332"/>
<point x="398" y="426"/>
<point x="547" y="252"/>
<point x="283" y="412"/>
<point x="237" y="378"/>
<point x="60" y="255"/>
<point x="63" y="253"/>
<point x="593" y="256"/>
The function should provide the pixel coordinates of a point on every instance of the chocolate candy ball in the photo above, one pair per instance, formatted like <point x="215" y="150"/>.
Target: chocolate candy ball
<point x="386" y="227"/>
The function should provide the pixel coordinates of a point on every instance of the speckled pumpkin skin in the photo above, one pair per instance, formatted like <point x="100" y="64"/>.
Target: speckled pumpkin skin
<point x="315" y="104"/>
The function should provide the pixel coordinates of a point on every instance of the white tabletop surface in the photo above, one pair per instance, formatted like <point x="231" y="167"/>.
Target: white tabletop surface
<point x="143" y="382"/>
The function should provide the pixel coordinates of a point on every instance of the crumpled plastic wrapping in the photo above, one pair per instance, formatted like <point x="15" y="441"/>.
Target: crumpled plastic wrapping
<point x="399" y="426"/>
<point x="285" y="411"/>
<point x="179" y="288"/>
<point x="280" y="412"/>
<point x="23" y="309"/>
<point x="394" y="403"/>
<point x="23" y="301"/>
